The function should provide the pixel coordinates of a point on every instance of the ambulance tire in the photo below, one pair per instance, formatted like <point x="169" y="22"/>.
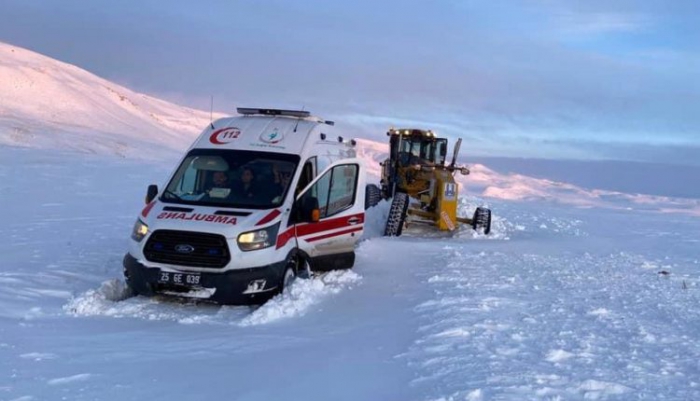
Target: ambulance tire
<point x="289" y="277"/>
<point x="130" y="291"/>
<point x="397" y="215"/>
<point x="304" y="270"/>
<point x="482" y="220"/>
<point x="290" y="273"/>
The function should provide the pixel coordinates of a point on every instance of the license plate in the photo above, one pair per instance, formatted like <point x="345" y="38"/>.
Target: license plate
<point x="188" y="279"/>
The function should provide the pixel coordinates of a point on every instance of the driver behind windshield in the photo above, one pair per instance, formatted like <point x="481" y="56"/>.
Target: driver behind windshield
<point x="220" y="185"/>
<point x="220" y="179"/>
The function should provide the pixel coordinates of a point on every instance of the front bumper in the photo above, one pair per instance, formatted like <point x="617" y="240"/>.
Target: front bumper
<point x="232" y="287"/>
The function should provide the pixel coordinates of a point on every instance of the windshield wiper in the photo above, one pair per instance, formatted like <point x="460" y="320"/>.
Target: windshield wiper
<point x="171" y="193"/>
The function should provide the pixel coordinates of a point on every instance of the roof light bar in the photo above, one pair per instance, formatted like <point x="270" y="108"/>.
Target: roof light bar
<point x="248" y="111"/>
<point x="411" y="132"/>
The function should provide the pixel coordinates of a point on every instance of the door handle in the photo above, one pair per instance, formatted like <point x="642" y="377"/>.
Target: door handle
<point x="353" y="220"/>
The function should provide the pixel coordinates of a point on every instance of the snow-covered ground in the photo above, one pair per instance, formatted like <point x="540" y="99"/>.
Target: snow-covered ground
<point x="559" y="303"/>
<point x="577" y="294"/>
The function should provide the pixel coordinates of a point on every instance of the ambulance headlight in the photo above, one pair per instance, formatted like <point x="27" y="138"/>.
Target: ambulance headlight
<point x="140" y="230"/>
<point x="258" y="239"/>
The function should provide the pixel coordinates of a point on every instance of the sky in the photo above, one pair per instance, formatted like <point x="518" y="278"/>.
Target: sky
<point x="558" y="79"/>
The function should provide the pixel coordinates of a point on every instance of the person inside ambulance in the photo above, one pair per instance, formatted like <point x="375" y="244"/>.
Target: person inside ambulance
<point x="220" y="180"/>
<point x="245" y="190"/>
<point x="220" y="187"/>
<point x="282" y="175"/>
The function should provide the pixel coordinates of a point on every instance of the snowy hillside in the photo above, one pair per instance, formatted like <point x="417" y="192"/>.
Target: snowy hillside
<point x="47" y="104"/>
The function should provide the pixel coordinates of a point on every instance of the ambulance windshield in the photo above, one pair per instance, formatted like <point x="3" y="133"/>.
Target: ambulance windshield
<point x="232" y="178"/>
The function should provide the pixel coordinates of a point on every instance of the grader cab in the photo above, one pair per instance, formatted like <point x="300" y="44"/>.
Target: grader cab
<point x="422" y="187"/>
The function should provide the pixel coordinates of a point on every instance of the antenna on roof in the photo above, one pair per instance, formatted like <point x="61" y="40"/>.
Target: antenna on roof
<point x="297" y="124"/>
<point x="211" y="112"/>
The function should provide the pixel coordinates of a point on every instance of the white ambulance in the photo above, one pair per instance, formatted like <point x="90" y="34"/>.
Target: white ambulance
<point x="257" y="200"/>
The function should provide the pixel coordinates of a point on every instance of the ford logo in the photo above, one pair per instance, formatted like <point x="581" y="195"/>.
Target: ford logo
<point x="184" y="248"/>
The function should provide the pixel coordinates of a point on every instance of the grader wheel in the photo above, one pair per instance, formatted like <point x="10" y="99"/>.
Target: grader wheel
<point x="482" y="220"/>
<point x="397" y="215"/>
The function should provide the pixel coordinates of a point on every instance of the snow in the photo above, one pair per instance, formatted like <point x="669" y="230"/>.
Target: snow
<point x="69" y="379"/>
<point x="112" y="300"/>
<point x="302" y="295"/>
<point x="576" y="295"/>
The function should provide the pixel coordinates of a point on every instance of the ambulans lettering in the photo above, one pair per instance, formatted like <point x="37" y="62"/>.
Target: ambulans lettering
<point x="210" y="218"/>
<point x="224" y="135"/>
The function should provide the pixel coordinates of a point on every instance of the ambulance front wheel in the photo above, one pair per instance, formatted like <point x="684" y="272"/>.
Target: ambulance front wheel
<point x="289" y="277"/>
<point x="290" y="273"/>
<point x="133" y="286"/>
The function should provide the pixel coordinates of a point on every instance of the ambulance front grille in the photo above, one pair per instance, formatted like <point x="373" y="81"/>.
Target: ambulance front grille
<point x="187" y="248"/>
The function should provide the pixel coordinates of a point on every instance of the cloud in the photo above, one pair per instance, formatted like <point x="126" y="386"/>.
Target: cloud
<point x="601" y="23"/>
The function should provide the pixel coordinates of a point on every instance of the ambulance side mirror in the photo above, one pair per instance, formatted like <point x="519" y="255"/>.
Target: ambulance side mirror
<point x="151" y="193"/>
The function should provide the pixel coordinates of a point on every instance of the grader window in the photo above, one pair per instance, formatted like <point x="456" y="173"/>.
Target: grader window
<point x="418" y="147"/>
<point x="421" y="150"/>
<point x="441" y="153"/>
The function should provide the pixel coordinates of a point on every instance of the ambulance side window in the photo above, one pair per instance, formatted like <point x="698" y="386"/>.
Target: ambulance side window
<point x="335" y="190"/>
<point x="320" y="191"/>
<point x="342" y="192"/>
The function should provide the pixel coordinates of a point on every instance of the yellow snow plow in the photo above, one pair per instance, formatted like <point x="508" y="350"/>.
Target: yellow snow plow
<point x="422" y="186"/>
